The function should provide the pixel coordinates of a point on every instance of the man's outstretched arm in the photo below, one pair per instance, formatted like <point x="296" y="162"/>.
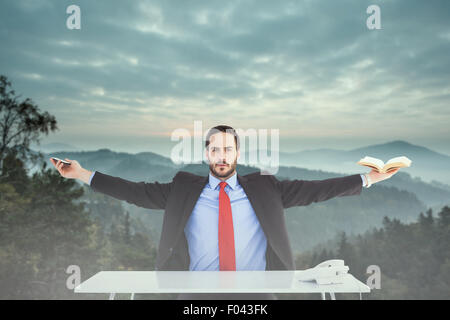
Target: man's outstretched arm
<point x="142" y="194"/>
<point x="304" y="192"/>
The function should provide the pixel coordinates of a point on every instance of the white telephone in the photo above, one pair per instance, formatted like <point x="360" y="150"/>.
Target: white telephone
<point x="327" y="272"/>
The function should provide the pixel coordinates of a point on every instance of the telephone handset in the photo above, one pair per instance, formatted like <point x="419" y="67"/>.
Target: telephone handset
<point x="331" y="263"/>
<point x="327" y="272"/>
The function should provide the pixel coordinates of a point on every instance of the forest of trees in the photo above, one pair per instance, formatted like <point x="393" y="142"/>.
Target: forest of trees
<point x="45" y="228"/>
<point x="414" y="258"/>
<point x="48" y="223"/>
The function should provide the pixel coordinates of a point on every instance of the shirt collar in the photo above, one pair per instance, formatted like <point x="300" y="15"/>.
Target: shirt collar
<point x="231" y="181"/>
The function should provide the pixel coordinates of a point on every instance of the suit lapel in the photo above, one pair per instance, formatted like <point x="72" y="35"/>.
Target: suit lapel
<point x="251" y="188"/>
<point x="191" y="199"/>
<point x="255" y="200"/>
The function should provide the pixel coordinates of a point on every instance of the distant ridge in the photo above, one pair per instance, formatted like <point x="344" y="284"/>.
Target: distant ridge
<point x="396" y="145"/>
<point x="427" y="164"/>
<point x="52" y="147"/>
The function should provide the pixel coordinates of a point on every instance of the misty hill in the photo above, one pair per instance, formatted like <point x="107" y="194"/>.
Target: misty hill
<point x="149" y="166"/>
<point x="400" y="197"/>
<point x="52" y="147"/>
<point x="426" y="164"/>
<point x="144" y="166"/>
<point x="422" y="246"/>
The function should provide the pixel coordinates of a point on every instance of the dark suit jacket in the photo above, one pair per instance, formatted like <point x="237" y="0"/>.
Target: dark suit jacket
<point x="267" y="195"/>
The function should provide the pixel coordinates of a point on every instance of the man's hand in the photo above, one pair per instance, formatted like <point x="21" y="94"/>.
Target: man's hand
<point x="72" y="171"/>
<point x="375" y="176"/>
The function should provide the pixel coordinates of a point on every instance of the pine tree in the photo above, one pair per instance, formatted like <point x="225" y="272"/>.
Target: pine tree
<point x="127" y="228"/>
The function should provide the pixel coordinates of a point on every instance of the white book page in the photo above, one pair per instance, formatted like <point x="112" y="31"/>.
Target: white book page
<point x="402" y="159"/>
<point x="376" y="161"/>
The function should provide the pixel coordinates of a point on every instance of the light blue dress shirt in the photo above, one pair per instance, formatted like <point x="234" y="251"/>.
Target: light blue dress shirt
<point x="201" y="229"/>
<point x="92" y="175"/>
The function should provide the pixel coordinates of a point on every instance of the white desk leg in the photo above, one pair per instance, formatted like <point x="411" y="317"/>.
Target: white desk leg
<point x="132" y="296"/>
<point x="111" y="296"/>
<point x="332" y="296"/>
<point x="323" y="295"/>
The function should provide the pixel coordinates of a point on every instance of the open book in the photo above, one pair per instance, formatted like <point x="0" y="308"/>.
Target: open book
<point x="381" y="167"/>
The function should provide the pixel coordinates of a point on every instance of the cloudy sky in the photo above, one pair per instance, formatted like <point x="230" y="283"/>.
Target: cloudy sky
<point x="138" y="70"/>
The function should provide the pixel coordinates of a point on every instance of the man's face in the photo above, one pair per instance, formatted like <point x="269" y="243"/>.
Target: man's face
<point x="222" y="154"/>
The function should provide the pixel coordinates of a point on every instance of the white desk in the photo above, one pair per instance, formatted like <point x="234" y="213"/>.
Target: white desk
<point x="113" y="282"/>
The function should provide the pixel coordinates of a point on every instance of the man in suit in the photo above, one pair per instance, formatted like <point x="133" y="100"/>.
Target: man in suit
<point x="224" y="221"/>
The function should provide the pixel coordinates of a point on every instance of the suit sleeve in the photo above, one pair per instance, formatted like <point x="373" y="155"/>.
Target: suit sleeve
<point x="142" y="194"/>
<point x="304" y="192"/>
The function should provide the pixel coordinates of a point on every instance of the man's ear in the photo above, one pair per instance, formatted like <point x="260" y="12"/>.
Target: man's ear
<point x="238" y="154"/>
<point x="206" y="156"/>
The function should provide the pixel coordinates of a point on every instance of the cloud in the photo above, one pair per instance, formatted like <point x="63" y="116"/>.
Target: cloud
<point x="279" y="64"/>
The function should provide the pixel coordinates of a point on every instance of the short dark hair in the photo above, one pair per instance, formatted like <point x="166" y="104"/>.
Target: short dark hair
<point x="222" y="128"/>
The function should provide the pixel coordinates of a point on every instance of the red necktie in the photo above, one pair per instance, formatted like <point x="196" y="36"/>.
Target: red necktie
<point x="226" y="234"/>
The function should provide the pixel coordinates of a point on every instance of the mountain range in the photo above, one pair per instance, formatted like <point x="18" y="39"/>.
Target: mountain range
<point x="428" y="165"/>
<point x="403" y="196"/>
